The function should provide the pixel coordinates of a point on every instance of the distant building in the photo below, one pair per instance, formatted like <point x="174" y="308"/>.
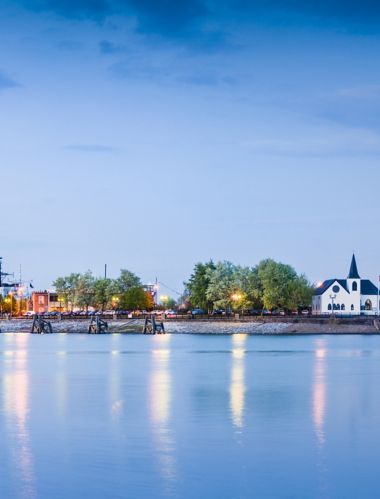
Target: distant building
<point x="351" y="296"/>
<point x="44" y="301"/>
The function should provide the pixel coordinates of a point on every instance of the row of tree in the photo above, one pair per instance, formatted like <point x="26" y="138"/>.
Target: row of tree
<point x="268" y="285"/>
<point x="85" y="290"/>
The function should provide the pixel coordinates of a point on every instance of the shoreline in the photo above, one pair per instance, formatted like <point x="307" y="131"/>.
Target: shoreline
<point x="264" y="327"/>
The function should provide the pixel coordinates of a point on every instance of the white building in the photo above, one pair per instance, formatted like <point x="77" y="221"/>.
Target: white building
<point x="351" y="296"/>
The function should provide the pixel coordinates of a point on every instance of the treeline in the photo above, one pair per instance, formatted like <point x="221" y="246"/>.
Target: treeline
<point x="84" y="291"/>
<point x="269" y="285"/>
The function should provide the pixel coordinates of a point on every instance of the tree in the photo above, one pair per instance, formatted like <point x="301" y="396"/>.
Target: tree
<point x="282" y="287"/>
<point x="125" y="281"/>
<point x="223" y="284"/>
<point x="66" y="288"/>
<point x="250" y="286"/>
<point x="62" y="286"/>
<point x="85" y="290"/>
<point x="198" y="284"/>
<point x="300" y="293"/>
<point x="103" y="290"/>
<point x="136" y="298"/>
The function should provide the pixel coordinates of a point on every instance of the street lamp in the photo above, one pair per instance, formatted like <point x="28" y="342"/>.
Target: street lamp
<point x="9" y="299"/>
<point x="115" y="301"/>
<point x="332" y="298"/>
<point x="60" y="301"/>
<point x="236" y="297"/>
<point x="164" y="300"/>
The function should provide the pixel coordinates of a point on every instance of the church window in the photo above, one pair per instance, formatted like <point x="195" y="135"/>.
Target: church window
<point x="354" y="286"/>
<point x="329" y="307"/>
<point x="368" y="305"/>
<point x="336" y="289"/>
<point x="352" y="307"/>
<point x="338" y="307"/>
<point x="343" y="307"/>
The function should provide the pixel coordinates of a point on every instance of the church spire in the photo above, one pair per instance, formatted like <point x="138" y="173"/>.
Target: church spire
<point x="354" y="274"/>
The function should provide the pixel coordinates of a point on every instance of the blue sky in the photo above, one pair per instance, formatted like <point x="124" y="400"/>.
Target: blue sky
<point x="154" y="134"/>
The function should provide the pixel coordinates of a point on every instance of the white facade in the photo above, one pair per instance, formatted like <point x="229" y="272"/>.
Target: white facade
<point x="351" y="296"/>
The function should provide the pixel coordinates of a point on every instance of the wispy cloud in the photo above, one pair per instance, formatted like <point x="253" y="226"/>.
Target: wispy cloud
<point x="7" y="82"/>
<point x="69" y="45"/>
<point x="353" y="107"/>
<point x="169" y="69"/>
<point x="91" y="148"/>
<point x="110" y="48"/>
<point x="350" y="143"/>
<point x="186" y="20"/>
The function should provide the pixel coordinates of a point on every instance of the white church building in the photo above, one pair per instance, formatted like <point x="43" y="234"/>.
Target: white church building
<point x="351" y="296"/>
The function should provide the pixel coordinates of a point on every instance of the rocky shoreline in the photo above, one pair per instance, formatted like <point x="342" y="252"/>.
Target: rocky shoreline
<point x="209" y="327"/>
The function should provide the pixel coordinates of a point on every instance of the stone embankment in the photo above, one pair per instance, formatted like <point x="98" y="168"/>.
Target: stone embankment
<point x="264" y="326"/>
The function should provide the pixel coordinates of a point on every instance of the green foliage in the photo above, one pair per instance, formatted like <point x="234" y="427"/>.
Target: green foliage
<point x="84" y="290"/>
<point x="103" y="291"/>
<point x="169" y="302"/>
<point x="223" y="283"/>
<point x="300" y="293"/>
<point x="275" y="279"/>
<point x="268" y="285"/>
<point x="136" y="298"/>
<point x="125" y="281"/>
<point x="249" y="285"/>
<point x="66" y="288"/>
<point x="198" y="284"/>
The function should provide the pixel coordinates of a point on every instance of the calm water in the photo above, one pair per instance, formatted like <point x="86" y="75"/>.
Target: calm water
<point x="189" y="416"/>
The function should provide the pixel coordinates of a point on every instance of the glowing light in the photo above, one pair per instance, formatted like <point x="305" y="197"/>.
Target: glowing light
<point x="160" y="388"/>
<point x="236" y="297"/>
<point x="319" y="393"/>
<point x="237" y="385"/>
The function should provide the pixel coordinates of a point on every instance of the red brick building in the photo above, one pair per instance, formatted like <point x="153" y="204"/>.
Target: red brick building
<point x="44" y="301"/>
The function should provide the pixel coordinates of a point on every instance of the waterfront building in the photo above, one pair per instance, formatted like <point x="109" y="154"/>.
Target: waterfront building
<point x="351" y="296"/>
<point x="45" y="301"/>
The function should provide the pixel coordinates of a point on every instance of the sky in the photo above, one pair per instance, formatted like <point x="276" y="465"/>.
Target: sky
<point x="153" y="134"/>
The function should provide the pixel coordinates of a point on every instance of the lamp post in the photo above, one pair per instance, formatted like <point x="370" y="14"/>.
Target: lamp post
<point x="332" y="297"/>
<point x="164" y="300"/>
<point x="236" y="297"/>
<point x="115" y="301"/>
<point x="11" y="295"/>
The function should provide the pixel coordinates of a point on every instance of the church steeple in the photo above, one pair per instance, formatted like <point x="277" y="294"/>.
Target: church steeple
<point x="354" y="274"/>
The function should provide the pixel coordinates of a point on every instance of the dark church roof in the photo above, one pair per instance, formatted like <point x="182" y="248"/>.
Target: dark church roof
<point x="354" y="274"/>
<point x="326" y="284"/>
<point x="367" y="287"/>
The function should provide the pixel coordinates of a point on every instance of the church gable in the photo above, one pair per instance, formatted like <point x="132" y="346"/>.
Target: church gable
<point x="338" y="284"/>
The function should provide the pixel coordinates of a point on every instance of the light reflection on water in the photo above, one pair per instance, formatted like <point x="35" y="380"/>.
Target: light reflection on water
<point x="16" y="406"/>
<point x="188" y="416"/>
<point x="160" y="404"/>
<point x="237" y="385"/>
<point x="319" y="391"/>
